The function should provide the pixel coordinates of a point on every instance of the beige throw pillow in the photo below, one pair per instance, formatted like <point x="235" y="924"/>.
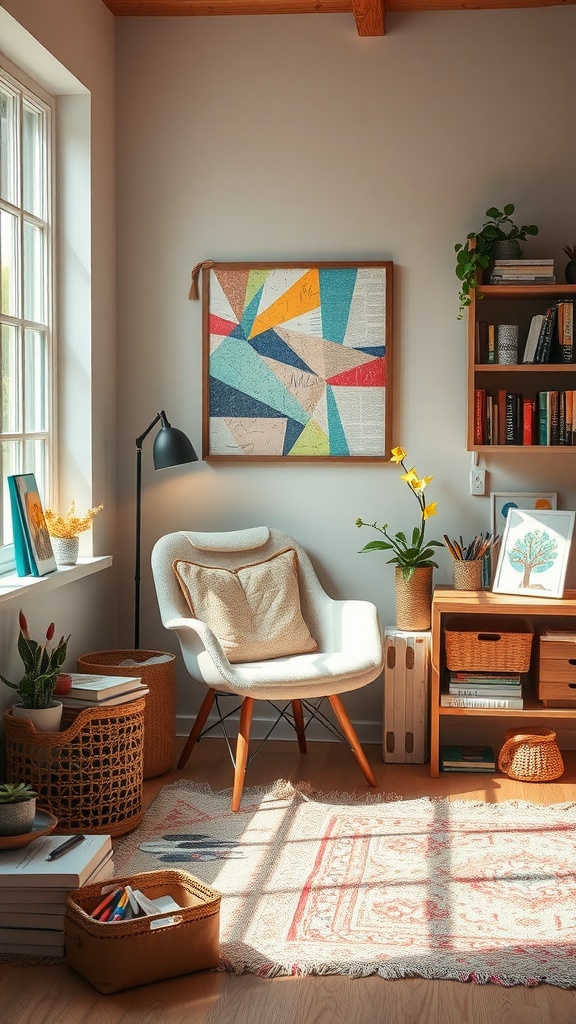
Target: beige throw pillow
<point x="254" y="610"/>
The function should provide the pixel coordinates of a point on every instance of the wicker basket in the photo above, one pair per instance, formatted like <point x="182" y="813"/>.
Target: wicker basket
<point x="118" y="956"/>
<point x="160" y="711"/>
<point x="484" y="644"/>
<point x="531" y="755"/>
<point x="90" y="774"/>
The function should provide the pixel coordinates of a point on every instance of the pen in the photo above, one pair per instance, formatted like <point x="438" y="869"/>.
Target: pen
<point x="112" y="896"/>
<point x="68" y="845"/>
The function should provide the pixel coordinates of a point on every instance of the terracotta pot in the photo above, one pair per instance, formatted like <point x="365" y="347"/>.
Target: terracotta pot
<point x="414" y="599"/>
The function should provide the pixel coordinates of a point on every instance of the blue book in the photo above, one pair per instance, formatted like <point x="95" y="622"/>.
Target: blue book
<point x="21" y="549"/>
<point x="32" y="545"/>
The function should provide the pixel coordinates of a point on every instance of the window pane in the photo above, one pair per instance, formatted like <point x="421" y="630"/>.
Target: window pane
<point x="10" y="456"/>
<point x="8" y="136"/>
<point x="8" y="264"/>
<point x="36" y="384"/>
<point x="11" y="380"/>
<point x="34" y="273"/>
<point x="35" y="460"/>
<point x="33" y="159"/>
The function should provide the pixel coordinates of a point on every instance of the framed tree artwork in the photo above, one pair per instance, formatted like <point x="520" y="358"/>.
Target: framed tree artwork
<point x="534" y="553"/>
<point x="297" y="361"/>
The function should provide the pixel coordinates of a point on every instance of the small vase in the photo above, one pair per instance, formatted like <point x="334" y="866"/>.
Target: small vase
<point x="17" y="819"/>
<point x="43" y="719"/>
<point x="65" y="550"/>
<point x="414" y="599"/>
<point x="570" y="272"/>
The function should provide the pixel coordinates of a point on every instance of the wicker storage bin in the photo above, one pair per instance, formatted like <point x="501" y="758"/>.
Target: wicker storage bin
<point x="160" y="711"/>
<point x="90" y="774"/>
<point x="485" y="644"/>
<point x="531" y="755"/>
<point x="121" y="955"/>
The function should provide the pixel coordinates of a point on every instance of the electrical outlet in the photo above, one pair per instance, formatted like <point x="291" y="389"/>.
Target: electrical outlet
<point x="478" y="481"/>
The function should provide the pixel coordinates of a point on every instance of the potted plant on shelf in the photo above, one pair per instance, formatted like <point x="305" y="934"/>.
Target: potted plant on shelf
<point x="499" y="238"/>
<point x="17" y="808"/>
<point x="42" y="666"/>
<point x="411" y="556"/>
<point x="570" y="268"/>
<point x="64" y="529"/>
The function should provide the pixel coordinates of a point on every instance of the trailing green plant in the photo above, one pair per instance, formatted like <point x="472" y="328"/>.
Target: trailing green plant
<point x="476" y="252"/>
<point x="42" y="666"/>
<point x="414" y="552"/>
<point x="16" y="793"/>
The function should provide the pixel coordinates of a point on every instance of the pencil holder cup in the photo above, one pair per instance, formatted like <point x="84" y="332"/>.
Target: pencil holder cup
<point x="507" y="343"/>
<point x="468" y="575"/>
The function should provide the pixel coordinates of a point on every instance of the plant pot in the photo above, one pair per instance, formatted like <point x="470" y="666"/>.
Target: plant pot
<point x="570" y="272"/>
<point x="43" y="719"/>
<point x="17" y="819"/>
<point x="414" y="599"/>
<point x="65" y="550"/>
<point x="505" y="250"/>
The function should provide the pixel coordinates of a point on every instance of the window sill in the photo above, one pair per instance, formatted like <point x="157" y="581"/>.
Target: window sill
<point x="12" y="586"/>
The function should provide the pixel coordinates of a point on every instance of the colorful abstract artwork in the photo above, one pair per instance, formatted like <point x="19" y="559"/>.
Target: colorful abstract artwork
<point x="297" y="361"/>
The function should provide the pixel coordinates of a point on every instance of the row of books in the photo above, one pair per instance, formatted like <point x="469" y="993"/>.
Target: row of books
<point x="33" y="890"/>
<point x="523" y="272"/>
<point x="510" y="417"/>
<point x="89" y="690"/>
<point x="483" y="690"/>
<point x="467" y="758"/>
<point x="550" y="337"/>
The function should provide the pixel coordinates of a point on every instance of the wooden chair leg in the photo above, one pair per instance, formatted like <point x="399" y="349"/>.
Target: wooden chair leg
<point x="348" y="730"/>
<point x="199" y="724"/>
<point x="242" y="744"/>
<point x="299" y="725"/>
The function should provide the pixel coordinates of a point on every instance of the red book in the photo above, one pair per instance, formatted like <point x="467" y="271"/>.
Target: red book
<point x="528" y="411"/>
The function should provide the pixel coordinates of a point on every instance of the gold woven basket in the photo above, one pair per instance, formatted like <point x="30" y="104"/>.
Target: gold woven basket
<point x="531" y="755"/>
<point x="90" y="774"/>
<point x="160" y="710"/>
<point x="486" y="644"/>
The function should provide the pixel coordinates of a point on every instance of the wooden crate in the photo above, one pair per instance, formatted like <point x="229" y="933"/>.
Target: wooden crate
<point x="406" y="733"/>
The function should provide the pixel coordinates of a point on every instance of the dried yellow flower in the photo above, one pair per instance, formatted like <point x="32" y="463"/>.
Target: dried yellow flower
<point x="69" y="524"/>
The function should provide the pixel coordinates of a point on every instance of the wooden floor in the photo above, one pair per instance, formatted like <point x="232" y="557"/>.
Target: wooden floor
<point x="57" y="995"/>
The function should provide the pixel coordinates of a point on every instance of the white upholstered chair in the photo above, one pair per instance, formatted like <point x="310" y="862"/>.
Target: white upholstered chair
<point x="348" y="635"/>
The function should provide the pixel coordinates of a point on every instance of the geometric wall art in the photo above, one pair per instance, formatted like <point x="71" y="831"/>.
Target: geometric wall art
<point x="297" y="361"/>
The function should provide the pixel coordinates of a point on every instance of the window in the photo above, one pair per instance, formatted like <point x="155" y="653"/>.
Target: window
<point x="26" y="292"/>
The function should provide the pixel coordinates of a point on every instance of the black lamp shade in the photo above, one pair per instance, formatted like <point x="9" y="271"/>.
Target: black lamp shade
<point x="172" y="448"/>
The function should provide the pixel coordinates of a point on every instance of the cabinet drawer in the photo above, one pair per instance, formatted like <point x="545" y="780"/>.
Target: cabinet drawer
<point x="557" y="688"/>
<point x="558" y="671"/>
<point x="558" y="650"/>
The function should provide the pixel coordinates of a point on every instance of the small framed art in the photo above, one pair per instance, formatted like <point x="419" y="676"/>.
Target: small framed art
<point x="534" y="553"/>
<point x="501" y="502"/>
<point x="296" y="361"/>
<point x="32" y="545"/>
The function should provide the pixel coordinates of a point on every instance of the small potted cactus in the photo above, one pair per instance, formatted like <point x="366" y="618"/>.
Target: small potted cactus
<point x="17" y="808"/>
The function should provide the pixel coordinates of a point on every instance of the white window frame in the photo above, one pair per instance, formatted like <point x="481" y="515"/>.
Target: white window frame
<point x="29" y="90"/>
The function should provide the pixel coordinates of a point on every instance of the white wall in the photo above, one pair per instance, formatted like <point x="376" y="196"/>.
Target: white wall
<point x="290" y="137"/>
<point x="52" y="40"/>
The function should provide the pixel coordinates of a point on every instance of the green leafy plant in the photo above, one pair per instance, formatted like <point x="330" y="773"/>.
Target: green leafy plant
<point x="16" y="793"/>
<point x="476" y="252"/>
<point x="42" y="666"/>
<point x="415" y="552"/>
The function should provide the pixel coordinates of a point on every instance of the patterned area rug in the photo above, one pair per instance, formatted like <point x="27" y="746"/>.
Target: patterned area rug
<point x="317" y="883"/>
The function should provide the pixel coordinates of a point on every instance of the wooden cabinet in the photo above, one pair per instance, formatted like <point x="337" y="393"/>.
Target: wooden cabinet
<point x="513" y="304"/>
<point x="448" y="604"/>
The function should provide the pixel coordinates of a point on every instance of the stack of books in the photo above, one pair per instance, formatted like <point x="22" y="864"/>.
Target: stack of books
<point x="102" y="691"/>
<point x="483" y="690"/>
<point x="523" y="272"/>
<point x="33" y="889"/>
<point x="467" y="759"/>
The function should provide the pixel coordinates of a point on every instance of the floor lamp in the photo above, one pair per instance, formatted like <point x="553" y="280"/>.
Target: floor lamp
<point x="171" y="448"/>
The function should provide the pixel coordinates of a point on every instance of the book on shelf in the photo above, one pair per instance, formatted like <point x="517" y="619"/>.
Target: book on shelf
<point x="19" y="918"/>
<point x="28" y="867"/>
<point x="512" y="424"/>
<point x="566" y="330"/>
<point x="38" y="949"/>
<point x="543" y="422"/>
<point x="532" y="338"/>
<point x="100" y="687"/>
<point x="485" y="677"/>
<point x="481" y="353"/>
<point x="489" y="690"/>
<point x="109" y="702"/>
<point x="491" y="354"/>
<point x="51" y="898"/>
<point x="450" y="700"/>
<point x="30" y="936"/>
<point x="544" y="345"/>
<point x="33" y="552"/>
<point x="528" y="419"/>
<point x="467" y="756"/>
<point x="519" y="264"/>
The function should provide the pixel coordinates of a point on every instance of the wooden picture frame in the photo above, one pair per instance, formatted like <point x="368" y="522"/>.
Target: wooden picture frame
<point x="534" y="553"/>
<point x="297" y="361"/>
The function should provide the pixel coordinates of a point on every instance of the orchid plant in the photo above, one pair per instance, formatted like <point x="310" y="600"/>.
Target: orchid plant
<point x="416" y="552"/>
<point x="42" y="666"/>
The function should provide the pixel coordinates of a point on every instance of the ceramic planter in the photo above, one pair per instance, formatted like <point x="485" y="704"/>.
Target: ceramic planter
<point x="43" y="719"/>
<point x="17" y="819"/>
<point x="65" y="550"/>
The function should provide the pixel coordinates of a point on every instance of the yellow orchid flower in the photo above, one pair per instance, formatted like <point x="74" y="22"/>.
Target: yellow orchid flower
<point x="411" y="477"/>
<point x="397" y="455"/>
<point x="429" y="510"/>
<point x="421" y="484"/>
